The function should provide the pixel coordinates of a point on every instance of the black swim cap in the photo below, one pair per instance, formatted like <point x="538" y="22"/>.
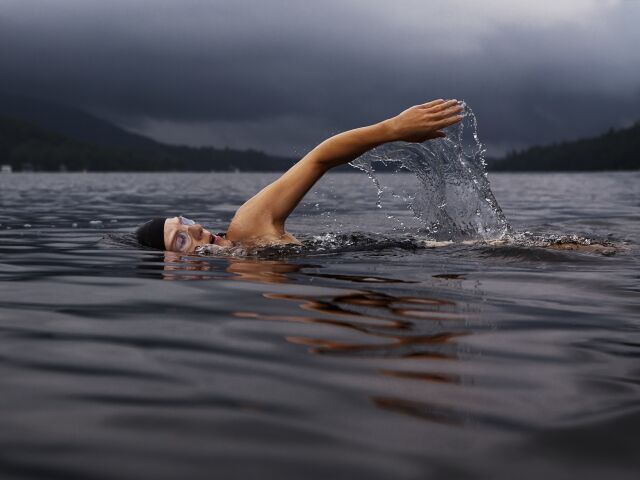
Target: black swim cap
<point x="151" y="234"/>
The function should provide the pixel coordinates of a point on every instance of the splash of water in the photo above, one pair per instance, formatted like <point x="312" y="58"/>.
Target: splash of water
<point x="521" y="245"/>
<point x="454" y="200"/>
<point x="218" y="251"/>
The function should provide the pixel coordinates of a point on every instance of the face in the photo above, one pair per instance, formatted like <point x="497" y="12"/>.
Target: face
<point x="184" y="235"/>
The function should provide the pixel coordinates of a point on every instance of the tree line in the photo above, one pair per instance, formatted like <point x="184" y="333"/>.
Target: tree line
<point x="614" y="150"/>
<point x="27" y="147"/>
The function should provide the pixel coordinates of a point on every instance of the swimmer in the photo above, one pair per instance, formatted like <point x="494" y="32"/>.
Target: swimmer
<point x="260" y="221"/>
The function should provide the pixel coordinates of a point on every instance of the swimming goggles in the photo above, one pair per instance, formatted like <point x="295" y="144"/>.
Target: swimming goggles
<point x="182" y="240"/>
<point x="186" y="221"/>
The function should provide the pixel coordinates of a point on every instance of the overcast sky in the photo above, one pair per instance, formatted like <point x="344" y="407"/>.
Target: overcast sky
<point x="280" y="75"/>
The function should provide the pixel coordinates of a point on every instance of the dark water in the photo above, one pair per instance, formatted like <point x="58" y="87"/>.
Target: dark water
<point x="365" y="356"/>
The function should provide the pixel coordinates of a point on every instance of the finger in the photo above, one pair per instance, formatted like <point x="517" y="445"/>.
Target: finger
<point x="447" y="122"/>
<point x="440" y="134"/>
<point x="448" y="112"/>
<point x="436" y="105"/>
<point x="432" y="103"/>
<point x="444" y="105"/>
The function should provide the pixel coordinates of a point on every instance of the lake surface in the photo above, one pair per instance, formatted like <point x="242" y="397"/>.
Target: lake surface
<point x="365" y="356"/>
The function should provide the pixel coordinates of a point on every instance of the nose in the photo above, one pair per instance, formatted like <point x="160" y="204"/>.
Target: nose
<point x="196" y="231"/>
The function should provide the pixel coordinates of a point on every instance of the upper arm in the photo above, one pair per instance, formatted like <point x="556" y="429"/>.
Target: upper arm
<point x="266" y="212"/>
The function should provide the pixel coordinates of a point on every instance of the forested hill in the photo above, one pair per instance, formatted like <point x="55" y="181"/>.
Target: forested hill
<point x="26" y="146"/>
<point x="70" y="122"/>
<point x="615" y="150"/>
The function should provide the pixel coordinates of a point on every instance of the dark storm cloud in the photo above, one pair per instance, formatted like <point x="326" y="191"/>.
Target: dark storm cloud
<point x="279" y="75"/>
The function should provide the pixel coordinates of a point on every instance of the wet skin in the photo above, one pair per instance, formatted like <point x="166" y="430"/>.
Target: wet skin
<point x="197" y="236"/>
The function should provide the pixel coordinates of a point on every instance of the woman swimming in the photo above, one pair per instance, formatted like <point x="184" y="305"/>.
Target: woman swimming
<point x="261" y="219"/>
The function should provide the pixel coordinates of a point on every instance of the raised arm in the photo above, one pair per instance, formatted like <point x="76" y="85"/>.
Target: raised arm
<point x="263" y="216"/>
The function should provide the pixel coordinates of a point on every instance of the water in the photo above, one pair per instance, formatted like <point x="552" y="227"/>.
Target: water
<point x="368" y="355"/>
<point x="450" y="196"/>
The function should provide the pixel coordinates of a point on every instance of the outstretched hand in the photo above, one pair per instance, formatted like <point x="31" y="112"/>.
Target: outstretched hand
<point x="425" y="122"/>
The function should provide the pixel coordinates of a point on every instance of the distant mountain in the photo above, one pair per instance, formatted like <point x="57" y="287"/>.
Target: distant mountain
<point x="27" y="147"/>
<point x="70" y="122"/>
<point x="614" y="150"/>
<point x="38" y="135"/>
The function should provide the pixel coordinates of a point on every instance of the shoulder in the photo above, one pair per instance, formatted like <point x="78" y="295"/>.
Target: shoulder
<point x="249" y="227"/>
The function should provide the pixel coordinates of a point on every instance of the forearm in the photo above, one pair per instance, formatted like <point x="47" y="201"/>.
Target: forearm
<point x="348" y="146"/>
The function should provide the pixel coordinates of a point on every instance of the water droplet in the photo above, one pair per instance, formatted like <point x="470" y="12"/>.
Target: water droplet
<point x="452" y="180"/>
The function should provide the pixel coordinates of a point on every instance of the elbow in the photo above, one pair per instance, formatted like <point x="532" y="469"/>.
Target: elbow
<point x="319" y="161"/>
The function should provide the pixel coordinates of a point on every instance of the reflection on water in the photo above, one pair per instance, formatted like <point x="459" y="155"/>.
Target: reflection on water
<point x="183" y="267"/>
<point x="265" y="271"/>
<point x="186" y="267"/>
<point x="389" y="330"/>
<point x="389" y="326"/>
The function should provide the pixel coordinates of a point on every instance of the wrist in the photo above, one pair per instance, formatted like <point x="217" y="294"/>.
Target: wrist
<point x="387" y="131"/>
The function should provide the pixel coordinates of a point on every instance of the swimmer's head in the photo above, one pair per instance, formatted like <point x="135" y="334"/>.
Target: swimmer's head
<point x="176" y="234"/>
